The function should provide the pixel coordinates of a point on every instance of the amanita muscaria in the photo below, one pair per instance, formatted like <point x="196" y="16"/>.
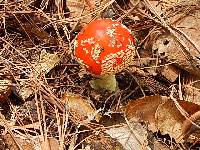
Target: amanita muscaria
<point x="104" y="47"/>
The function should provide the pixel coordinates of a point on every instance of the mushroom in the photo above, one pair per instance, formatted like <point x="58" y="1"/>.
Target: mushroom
<point x="104" y="47"/>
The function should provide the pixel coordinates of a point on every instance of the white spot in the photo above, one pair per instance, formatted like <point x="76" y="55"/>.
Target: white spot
<point x="84" y="49"/>
<point x="111" y="32"/>
<point x="96" y="50"/>
<point x="119" y="45"/>
<point x="88" y="40"/>
<point x="115" y="25"/>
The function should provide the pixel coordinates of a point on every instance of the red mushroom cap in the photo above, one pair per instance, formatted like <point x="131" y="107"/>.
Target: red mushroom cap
<point x="104" y="47"/>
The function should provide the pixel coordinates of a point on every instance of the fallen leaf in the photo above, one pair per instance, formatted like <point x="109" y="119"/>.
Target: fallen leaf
<point x="132" y="136"/>
<point x="170" y="72"/>
<point x="169" y="120"/>
<point x="184" y="50"/>
<point x="166" y="46"/>
<point x="161" y="114"/>
<point x="191" y="127"/>
<point x="51" y="144"/>
<point x="46" y="62"/>
<point x="191" y="94"/>
<point x="83" y="14"/>
<point x="14" y="142"/>
<point x="34" y="31"/>
<point x="80" y="108"/>
<point x="145" y="109"/>
<point x="103" y="141"/>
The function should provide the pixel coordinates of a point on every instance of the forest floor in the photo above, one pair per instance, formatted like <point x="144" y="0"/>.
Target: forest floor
<point x="48" y="103"/>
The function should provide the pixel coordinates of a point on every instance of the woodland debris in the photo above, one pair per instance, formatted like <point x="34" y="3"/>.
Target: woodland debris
<point x="5" y="89"/>
<point x="132" y="136"/>
<point x="51" y="144"/>
<point x="103" y="141"/>
<point x="161" y="114"/>
<point x="33" y="36"/>
<point x="14" y="142"/>
<point x="81" y="109"/>
<point x="170" y="72"/>
<point x="46" y="62"/>
<point x="191" y="93"/>
<point x="167" y="47"/>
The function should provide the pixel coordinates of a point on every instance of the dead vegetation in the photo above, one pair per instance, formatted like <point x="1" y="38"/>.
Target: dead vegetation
<point x="46" y="98"/>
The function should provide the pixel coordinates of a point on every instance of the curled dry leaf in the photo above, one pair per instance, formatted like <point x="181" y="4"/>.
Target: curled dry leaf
<point x="80" y="108"/>
<point x="169" y="119"/>
<point x="161" y="113"/>
<point x="187" y="21"/>
<point x="5" y="89"/>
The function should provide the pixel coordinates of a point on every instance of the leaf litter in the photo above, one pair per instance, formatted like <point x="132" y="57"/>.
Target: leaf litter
<point x="48" y="101"/>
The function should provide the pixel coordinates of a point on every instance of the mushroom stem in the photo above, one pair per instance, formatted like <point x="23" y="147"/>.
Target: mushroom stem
<point x="105" y="82"/>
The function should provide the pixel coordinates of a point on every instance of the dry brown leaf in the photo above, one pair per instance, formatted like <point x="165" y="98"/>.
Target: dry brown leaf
<point x="34" y="31"/>
<point x="11" y="143"/>
<point x="84" y="13"/>
<point x="184" y="50"/>
<point x="47" y="62"/>
<point x="79" y="10"/>
<point x="81" y="109"/>
<point x="170" y="72"/>
<point x="132" y="136"/>
<point x="102" y="141"/>
<point x="161" y="113"/>
<point x="169" y="119"/>
<point x="158" y="145"/>
<point x="167" y="46"/>
<point x="26" y="89"/>
<point x="188" y="126"/>
<point x="191" y="89"/>
<point x="5" y="89"/>
<point x="144" y="109"/>
<point x="191" y="94"/>
<point x="50" y="144"/>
